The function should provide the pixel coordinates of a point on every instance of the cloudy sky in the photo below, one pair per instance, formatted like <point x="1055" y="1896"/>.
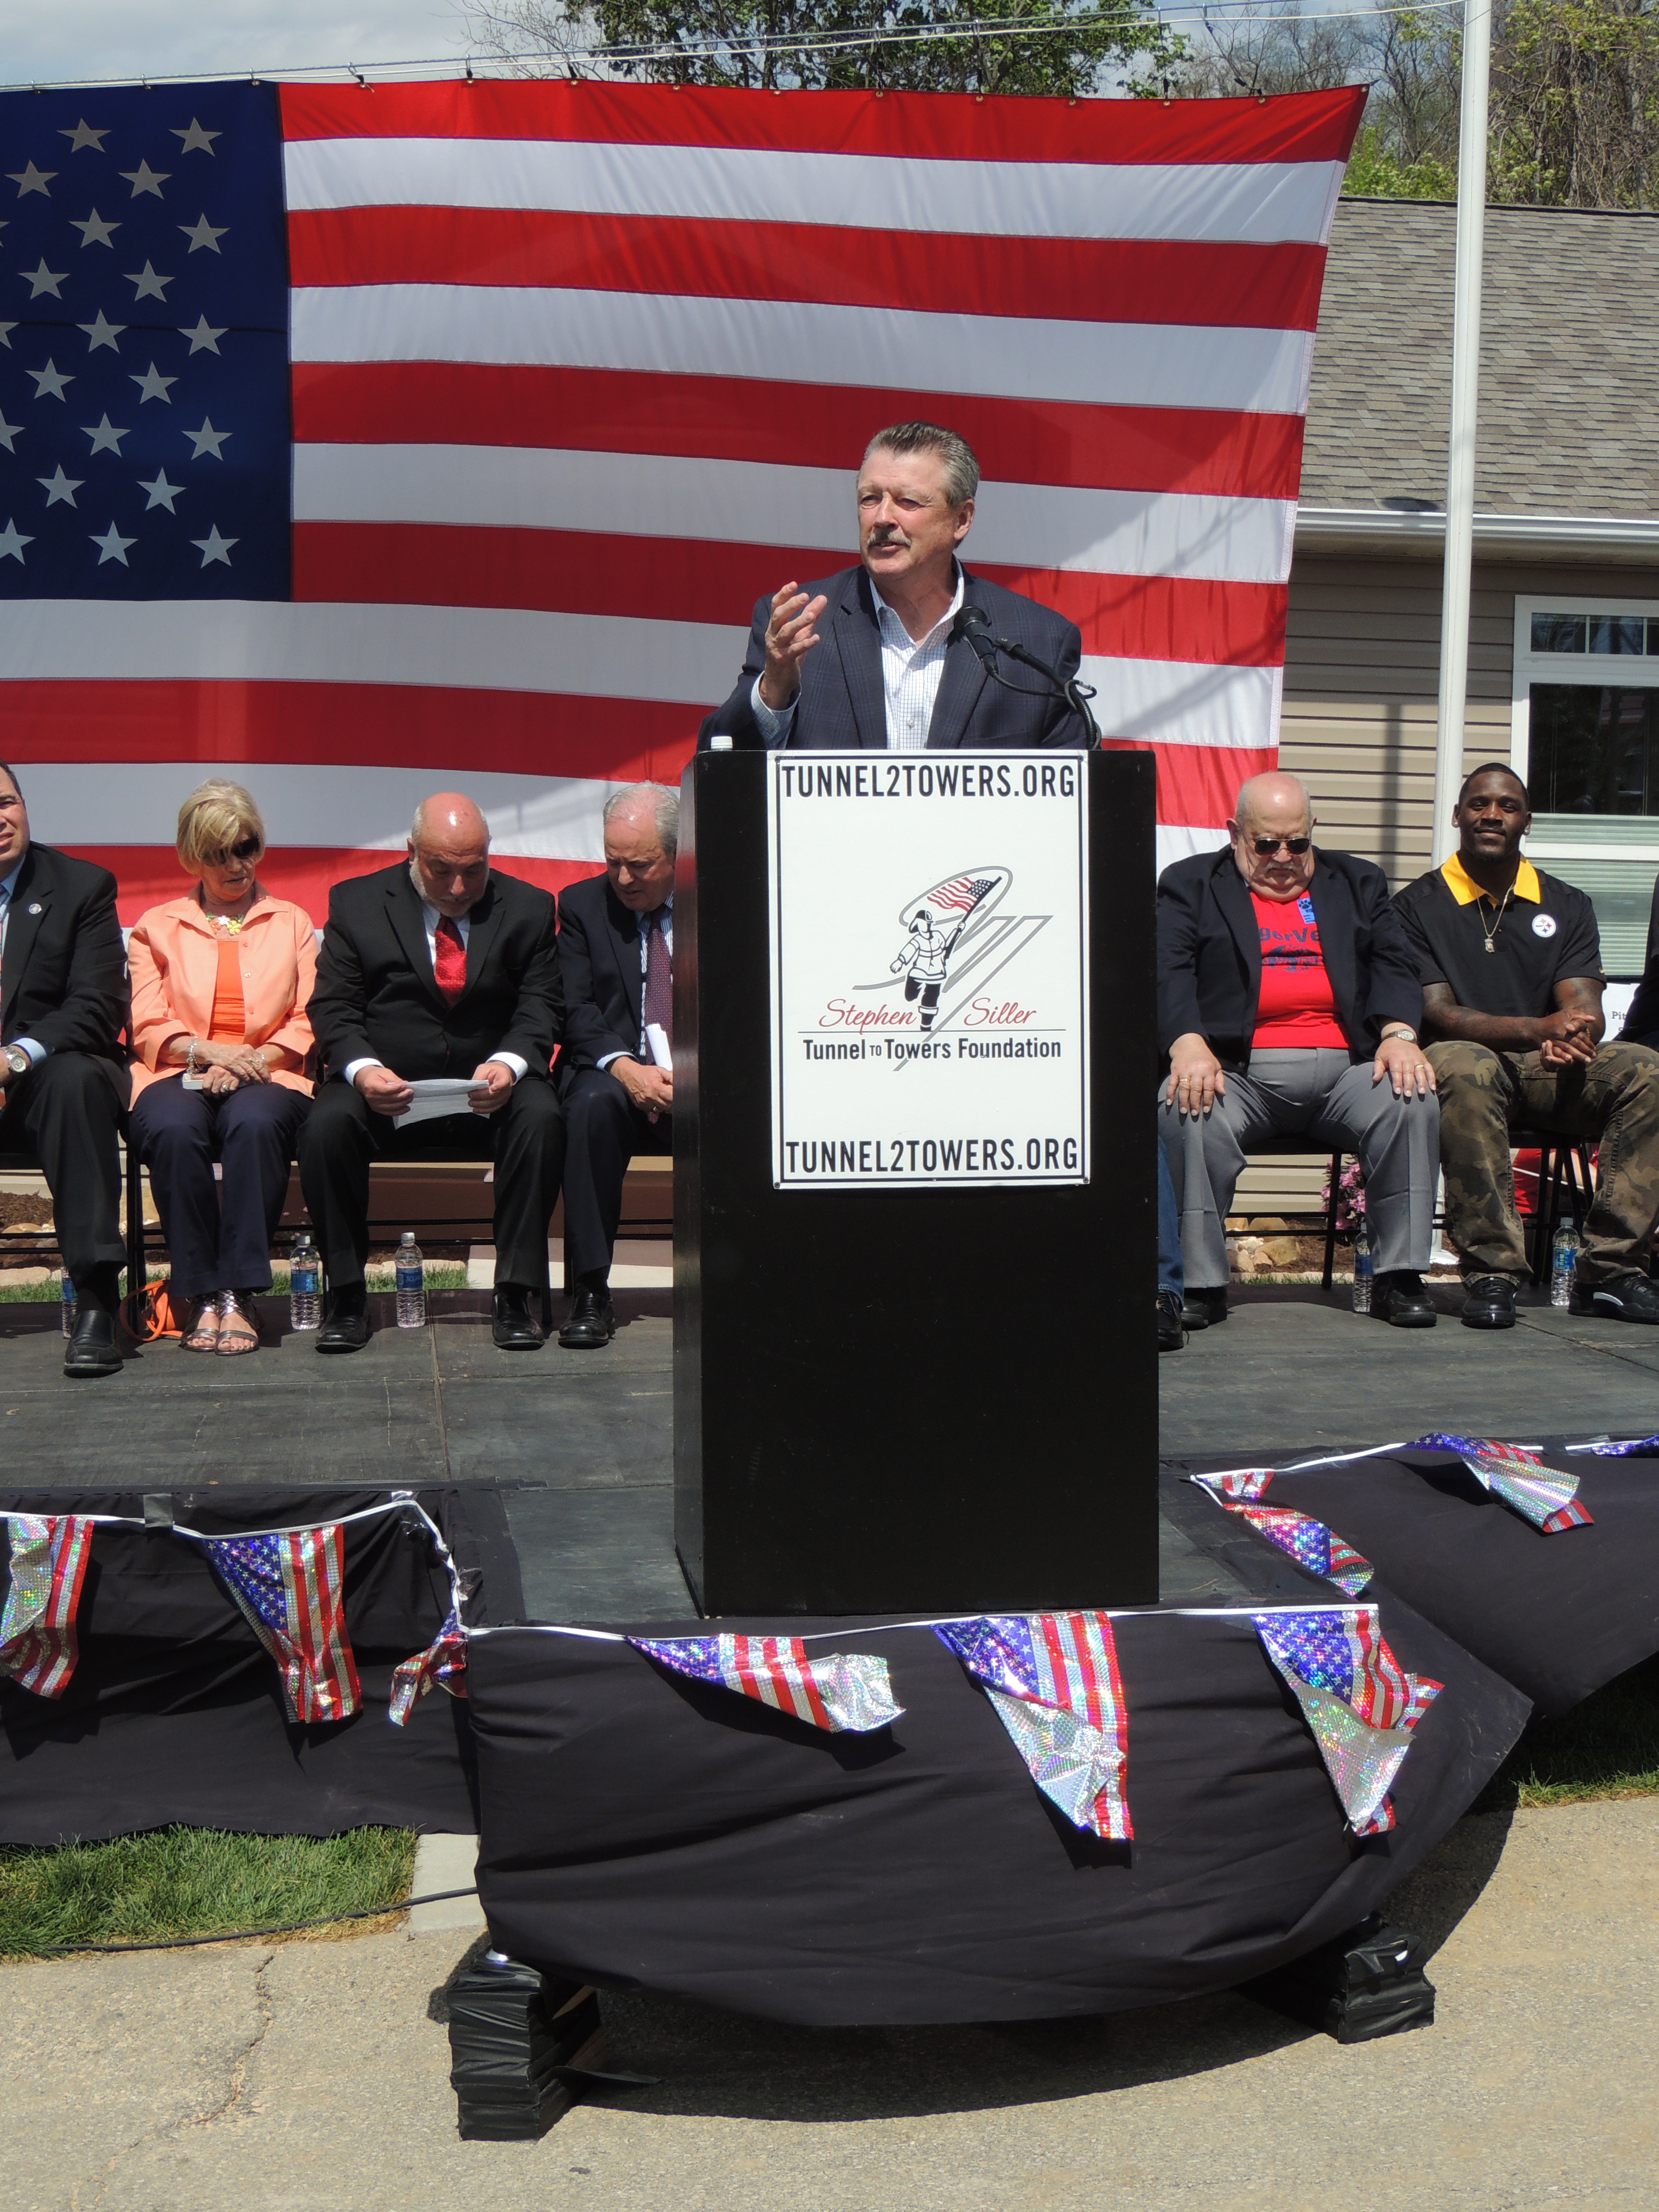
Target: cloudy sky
<point x="48" y="41"/>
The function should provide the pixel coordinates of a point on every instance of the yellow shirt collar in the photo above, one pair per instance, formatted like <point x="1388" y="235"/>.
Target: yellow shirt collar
<point x="1464" y="888"/>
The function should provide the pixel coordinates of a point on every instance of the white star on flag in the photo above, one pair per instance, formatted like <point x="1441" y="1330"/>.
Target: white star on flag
<point x="31" y="179"/>
<point x="102" y="333"/>
<point x="207" y="439"/>
<point x="8" y="432"/>
<point x="84" y="135"/>
<point x="11" y="543"/>
<point x="150" y="286"/>
<point x="5" y="340"/>
<point x="215" y="548"/>
<point x="114" y="546"/>
<point x="60" y="487"/>
<point x="42" y="279"/>
<point x="153" y="385"/>
<point x="105" y="438"/>
<point x="50" y="378"/>
<point x="144" y="179"/>
<point x="203" y="234"/>
<point x="162" y="492"/>
<point x="203" y="334"/>
<point x="196" y="140"/>
<point x="94" y="231"/>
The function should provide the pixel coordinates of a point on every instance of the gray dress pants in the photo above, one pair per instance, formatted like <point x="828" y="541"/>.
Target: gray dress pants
<point x="1321" y="1094"/>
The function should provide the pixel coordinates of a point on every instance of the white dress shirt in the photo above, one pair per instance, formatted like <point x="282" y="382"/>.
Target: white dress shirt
<point x="910" y="673"/>
<point x="642" y="923"/>
<point x="36" y="1051"/>
<point x="431" y="917"/>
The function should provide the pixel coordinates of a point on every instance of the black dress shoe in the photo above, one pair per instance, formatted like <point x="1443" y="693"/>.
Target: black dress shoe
<point x="1205" y="1309"/>
<point x="1489" y="1302"/>
<point x="1400" y="1297"/>
<point x="591" y="1323"/>
<point x="93" y="1349"/>
<point x="1171" y="1336"/>
<point x="513" y="1325"/>
<point x="1626" y="1298"/>
<point x="345" y="1321"/>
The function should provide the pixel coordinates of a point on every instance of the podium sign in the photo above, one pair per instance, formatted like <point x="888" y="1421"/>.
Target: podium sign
<point x="915" y="1339"/>
<point x="930" y="970"/>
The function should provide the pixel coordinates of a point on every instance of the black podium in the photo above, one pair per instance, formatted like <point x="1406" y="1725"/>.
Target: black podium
<point x="911" y="1398"/>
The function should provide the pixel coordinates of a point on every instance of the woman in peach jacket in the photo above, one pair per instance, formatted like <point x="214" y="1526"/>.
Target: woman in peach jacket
<point x="220" y="979"/>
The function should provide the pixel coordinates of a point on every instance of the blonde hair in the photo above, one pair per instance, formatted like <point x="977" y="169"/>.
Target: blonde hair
<point x="217" y="815"/>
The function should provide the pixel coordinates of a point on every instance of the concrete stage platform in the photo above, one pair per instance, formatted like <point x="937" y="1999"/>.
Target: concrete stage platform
<point x="585" y="1439"/>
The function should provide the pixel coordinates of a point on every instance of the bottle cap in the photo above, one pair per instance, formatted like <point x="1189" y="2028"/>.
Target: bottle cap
<point x="719" y="744"/>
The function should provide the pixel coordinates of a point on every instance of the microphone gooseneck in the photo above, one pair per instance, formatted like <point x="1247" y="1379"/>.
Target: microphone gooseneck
<point x="975" y="624"/>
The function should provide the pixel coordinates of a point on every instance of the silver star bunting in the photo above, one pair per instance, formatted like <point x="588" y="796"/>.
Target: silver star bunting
<point x="215" y="548"/>
<point x="114" y="546"/>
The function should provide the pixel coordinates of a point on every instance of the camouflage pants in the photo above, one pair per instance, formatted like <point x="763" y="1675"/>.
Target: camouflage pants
<point x="1484" y="1094"/>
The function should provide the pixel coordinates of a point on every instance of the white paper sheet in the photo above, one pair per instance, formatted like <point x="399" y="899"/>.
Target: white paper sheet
<point x="660" y="1052"/>
<point x="435" y="1096"/>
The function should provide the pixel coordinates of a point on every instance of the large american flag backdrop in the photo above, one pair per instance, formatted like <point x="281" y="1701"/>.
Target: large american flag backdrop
<point x="359" y="440"/>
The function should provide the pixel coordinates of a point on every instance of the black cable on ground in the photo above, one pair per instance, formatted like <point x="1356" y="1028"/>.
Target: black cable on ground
<point x="246" y="1935"/>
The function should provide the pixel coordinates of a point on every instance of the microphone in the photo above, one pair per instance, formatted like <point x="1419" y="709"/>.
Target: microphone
<point x="975" y="624"/>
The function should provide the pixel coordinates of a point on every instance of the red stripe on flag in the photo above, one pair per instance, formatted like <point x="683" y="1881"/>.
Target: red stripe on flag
<point x="699" y="581"/>
<point x="1257" y="287"/>
<point x="1313" y="126"/>
<point x="236" y="725"/>
<point x="148" y="875"/>
<point x="1198" y="784"/>
<point x="1042" y="441"/>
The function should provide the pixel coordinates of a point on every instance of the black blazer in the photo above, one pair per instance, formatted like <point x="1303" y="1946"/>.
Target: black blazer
<point x="1209" y="953"/>
<point x="842" y="704"/>
<point x="1642" y="1022"/>
<point x="600" y="960"/>
<point x="64" y="972"/>
<point x="377" y="999"/>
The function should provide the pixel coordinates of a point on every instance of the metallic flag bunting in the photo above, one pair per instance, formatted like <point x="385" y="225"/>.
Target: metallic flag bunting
<point x="1053" y="1678"/>
<point x="444" y="1660"/>
<point x="38" y="1646"/>
<point x="1634" y="1447"/>
<point x="1539" y="1493"/>
<point x="291" y="1586"/>
<point x="841" y="1691"/>
<point x="1310" y="1543"/>
<point x="1360" y="1703"/>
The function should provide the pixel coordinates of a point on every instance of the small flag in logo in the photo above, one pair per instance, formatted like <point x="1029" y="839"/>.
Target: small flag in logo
<point x="841" y="1691"/>
<point x="1053" y="1678"/>
<point x="961" y="894"/>
<point x="1310" y="1543"/>
<point x="443" y="1661"/>
<point x="1539" y="1493"/>
<point x="49" y="1555"/>
<point x="1358" y="1699"/>
<point x="291" y="1588"/>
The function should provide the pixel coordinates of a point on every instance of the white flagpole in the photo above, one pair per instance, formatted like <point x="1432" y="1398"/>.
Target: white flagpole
<point x="1465" y="394"/>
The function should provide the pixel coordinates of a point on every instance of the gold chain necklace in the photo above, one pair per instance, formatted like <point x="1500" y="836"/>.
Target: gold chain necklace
<point x="1497" y="917"/>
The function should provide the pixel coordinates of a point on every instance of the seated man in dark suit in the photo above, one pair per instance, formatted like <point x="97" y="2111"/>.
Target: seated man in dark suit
<point x="617" y="957"/>
<point x="63" y="1067"/>
<point x="437" y="967"/>
<point x="1288" y="1002"/>
<point x="893" y="667"/>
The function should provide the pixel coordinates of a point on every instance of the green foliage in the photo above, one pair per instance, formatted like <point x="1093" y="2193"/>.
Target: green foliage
<point x="1576" y="103"/>
<point x="1608" y="1747"/>
<point x="1057" y="46"/>
<point x="1376" y="171"/>
<point x="193" y="1882"/>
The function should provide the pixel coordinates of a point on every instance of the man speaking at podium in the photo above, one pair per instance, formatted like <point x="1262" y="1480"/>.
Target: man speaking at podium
<point x="899" y="655"/>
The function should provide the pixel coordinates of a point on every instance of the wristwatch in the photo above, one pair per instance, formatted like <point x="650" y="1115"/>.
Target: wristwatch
<point x="17" y="1060"/>
<point x="1410" y="1035"/>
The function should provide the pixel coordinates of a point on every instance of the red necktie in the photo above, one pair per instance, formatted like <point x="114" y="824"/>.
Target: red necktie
<point x="658" y="977"/>
<point x="450" y="966"/>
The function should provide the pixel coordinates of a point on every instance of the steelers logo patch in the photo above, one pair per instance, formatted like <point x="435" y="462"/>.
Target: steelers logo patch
<point x="1543" y="924"/>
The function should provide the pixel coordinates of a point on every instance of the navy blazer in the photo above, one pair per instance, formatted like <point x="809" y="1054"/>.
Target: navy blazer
<point x="842" y="705"/>
<point x="1209" y="953"/>
<point x="64" y="974"/>
<point x="604" y="989"/>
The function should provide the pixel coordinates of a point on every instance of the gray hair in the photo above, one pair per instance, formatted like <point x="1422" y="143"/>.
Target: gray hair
<point x="961" y="468"/>
<point x="665" y="806"/>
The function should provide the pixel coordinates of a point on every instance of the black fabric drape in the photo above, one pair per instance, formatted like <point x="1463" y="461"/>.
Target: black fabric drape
<point x="642" y="1830"/>
<point x="174" y="1712"/>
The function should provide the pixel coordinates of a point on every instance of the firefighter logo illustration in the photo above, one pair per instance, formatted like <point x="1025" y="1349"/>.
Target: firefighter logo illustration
<point x="938" y="921"/>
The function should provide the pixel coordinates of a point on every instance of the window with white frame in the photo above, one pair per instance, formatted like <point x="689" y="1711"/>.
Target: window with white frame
<point x="1585" y="736"/>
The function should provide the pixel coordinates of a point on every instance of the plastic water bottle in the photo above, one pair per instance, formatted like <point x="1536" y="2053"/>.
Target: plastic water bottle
<point x="68" y="1304"/>
<point x="1362" y="1271"/>
<point x="305" y="1304"/>
<point x="1564" y="1258"/>
<point x="412" y="1283"/>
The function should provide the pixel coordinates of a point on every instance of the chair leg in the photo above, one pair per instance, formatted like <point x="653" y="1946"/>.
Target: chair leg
<point x="135" y="1239"/>
<point x="1330" y="1221"/>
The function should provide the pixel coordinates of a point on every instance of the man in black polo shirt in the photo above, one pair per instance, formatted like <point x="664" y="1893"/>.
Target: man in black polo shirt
<point x="1510" y="960"/>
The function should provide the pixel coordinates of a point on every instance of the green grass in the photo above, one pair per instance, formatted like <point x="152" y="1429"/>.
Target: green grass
<point x="440" y="1275"/>
<point x="195" y="1881"/>
<point x="1608" y="1747"/>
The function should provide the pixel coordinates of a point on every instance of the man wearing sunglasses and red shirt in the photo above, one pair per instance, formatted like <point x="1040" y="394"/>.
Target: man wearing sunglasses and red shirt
<point x="1289" y="1004"/>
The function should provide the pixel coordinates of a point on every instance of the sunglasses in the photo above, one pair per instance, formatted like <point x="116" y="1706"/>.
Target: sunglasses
<point x="1267" y="847"/>
<point x="245" y="848"/>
